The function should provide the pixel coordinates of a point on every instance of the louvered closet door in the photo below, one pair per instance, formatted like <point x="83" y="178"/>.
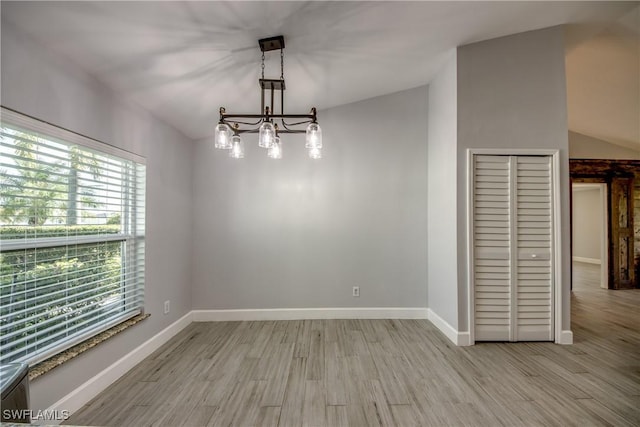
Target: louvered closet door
<point x="512" y="248"/>
<point x="534" y="321"/>
<point x="492" y="251"/>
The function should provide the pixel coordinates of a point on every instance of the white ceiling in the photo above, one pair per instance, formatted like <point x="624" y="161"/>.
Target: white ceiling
<point x="183" y="60"/>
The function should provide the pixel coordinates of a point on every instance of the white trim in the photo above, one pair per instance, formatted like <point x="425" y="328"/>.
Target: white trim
<point x="512" y="151"/>
<point x="309" y="313"/>
<point x="444" y="326"/>
<point x="464" y="339"/>
<point x="566" y="337"/>
<point x="557" y="250"/>
<point x="586" y="260"/>
<point x="557" y="247"/>
<point x="458" y="338"/>
<point x="91" y="388"/>
<point x="16" y="118"/>
<point x="471" y="307"/>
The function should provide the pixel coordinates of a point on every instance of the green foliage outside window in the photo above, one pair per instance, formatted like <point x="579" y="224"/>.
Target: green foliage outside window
<point x="53" y="289"/>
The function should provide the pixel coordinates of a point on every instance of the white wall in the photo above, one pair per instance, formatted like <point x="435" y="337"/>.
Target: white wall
<point x="300" y="233"/>
<point x="512" y="94"/>
<point x="587" y="222"/>
<point x="586" y="147"/>
<point x="37" y="83"/>
<point x="442" y="157"/>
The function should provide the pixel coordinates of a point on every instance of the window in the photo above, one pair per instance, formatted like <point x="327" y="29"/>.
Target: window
<point x="71" y="238"/>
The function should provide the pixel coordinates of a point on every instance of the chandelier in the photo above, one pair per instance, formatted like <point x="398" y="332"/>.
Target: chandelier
<point x="268" y="125"/>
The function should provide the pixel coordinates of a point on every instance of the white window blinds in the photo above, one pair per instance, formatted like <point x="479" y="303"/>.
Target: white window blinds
<point x="71" y="238"/>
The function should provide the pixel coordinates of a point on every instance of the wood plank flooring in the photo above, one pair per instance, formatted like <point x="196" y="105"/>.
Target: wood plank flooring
<point x="386" y="372"/>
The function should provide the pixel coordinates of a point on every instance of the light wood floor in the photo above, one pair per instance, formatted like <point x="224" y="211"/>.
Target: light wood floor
<point x="386" y="372"/>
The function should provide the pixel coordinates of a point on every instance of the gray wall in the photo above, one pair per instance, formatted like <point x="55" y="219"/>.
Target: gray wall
<point x="442" y="259"/>
<point x="585" y="147"/>
<point x="38" y="83"/>
<point x="512" y="94"/>
<point x="587" y="222"/>
<point x="300" y="233"/>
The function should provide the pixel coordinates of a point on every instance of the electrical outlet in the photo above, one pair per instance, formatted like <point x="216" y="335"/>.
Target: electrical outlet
<point x="356" y="291"/>
<point x="166" y="307"/>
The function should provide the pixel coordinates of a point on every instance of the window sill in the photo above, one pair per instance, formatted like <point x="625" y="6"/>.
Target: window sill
<point x="63" y="357"/>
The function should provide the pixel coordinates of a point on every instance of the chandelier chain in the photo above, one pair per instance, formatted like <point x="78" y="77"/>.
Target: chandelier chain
<point x="281" y="64"/>
<point x="262" y="65"/>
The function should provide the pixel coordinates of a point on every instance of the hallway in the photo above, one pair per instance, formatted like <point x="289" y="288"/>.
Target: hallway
<point x="599" y="315"/>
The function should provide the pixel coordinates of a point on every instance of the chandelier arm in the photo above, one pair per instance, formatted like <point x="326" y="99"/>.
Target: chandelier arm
<point x="227" y="116"/>
<point x="244" y="123"/>
<point x="254" y="130"/>
<point x="285" y="124"/>
<point x="240" y="131"/>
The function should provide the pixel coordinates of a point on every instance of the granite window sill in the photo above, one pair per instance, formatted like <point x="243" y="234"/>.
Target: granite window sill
<point x="54" y="361"/>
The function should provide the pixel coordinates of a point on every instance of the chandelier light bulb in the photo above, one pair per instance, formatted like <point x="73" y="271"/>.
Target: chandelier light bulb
<point x="315" y="153"/>
<point x="223" y="136"/>
<point x="275" y="151"/>
<point x="237" y="147"/>
<point x="314" y="136"/>
<point x="266" y="135"/>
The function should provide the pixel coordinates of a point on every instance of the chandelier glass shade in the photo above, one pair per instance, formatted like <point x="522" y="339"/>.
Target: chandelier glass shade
<point x="315" y="153"/>
<point x="268" y="125"/>
<point x="223" y="136"/>
<point x="275" y="150"/>
<point x="314" y="136"/>
<point x="237" y="147"/>
<point x="266" y="135"/>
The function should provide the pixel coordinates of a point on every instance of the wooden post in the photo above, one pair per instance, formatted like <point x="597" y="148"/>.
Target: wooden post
<point x="621" y="208"/>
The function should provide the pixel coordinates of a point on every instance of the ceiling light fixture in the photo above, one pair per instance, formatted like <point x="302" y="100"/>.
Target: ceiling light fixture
<point x="268" y="125"/>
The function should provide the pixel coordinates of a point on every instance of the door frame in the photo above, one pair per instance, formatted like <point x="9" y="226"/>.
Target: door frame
<point x="556" y="283"/>
<point x="603" y="195"/>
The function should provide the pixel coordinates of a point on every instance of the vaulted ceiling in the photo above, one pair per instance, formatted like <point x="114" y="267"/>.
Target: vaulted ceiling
<point x="603" y="82"/>
<point x="183" y="60"/>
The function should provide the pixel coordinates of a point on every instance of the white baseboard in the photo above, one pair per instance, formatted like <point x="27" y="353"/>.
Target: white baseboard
<point x="90" y="389"/>
<point x="586" y="260"/>
<point x="458" y="338"/>
<point x="566" y="337"/>
<point x="309" y="313"/>
<point x="464" y="339"/>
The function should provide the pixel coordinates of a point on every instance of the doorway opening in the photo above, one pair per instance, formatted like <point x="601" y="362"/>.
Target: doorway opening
<point x="589" y="230"/>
